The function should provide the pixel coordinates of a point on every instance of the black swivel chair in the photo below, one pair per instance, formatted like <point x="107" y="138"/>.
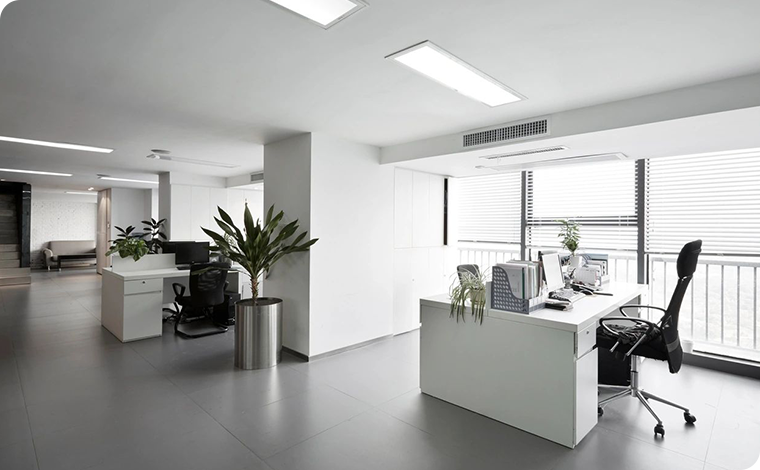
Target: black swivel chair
<point x="627" y="336"/>
<point x="468" y="268"/>
<point x="195" y="314"/>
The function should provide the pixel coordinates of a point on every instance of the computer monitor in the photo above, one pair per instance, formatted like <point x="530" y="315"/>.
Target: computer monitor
<point x="191" y="252"/>
<point x="555" y="280"/>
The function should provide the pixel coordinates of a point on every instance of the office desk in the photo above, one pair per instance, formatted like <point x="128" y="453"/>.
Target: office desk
<point x="535" y="372"/>
<point x="132" y="301"/>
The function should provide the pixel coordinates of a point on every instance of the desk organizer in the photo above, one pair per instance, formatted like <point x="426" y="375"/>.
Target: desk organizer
<point x="502" y="297"/>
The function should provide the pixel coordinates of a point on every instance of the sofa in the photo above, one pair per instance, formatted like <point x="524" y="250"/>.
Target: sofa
<point x="83" y="248"/>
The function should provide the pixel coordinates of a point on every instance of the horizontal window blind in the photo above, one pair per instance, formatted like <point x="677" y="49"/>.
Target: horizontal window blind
<point x="490" y="208"/>
<point x="713" y="198"/>
<point x="601" y="197"/>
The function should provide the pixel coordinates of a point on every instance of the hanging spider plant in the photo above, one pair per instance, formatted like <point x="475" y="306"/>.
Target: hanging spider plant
<point x="468" y="287"/>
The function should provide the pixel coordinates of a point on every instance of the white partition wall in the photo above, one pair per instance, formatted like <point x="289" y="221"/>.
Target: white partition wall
<point x="420" y="267"/>
<point x="341" y="292"/>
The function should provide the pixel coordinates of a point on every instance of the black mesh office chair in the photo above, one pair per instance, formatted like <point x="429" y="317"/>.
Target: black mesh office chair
<point x="195" y="318"/>
<point x="468" y="268"/>
<point x="627" y="336"/>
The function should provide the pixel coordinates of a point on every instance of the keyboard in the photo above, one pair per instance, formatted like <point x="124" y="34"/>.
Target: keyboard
<point x="566" y="295"/>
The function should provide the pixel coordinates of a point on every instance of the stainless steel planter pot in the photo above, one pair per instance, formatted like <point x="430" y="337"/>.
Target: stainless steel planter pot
<point x="258" y="333"/>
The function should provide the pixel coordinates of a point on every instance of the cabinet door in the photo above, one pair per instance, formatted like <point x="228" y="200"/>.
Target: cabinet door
<point x="586" y="395"/>
<point x="142" y="316"/>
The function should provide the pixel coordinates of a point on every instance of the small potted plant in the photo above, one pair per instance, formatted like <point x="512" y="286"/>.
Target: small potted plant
<point x="468" y="287"/>
<point x="130" y="247"/>
<point x="256" y="249"/>
<point x="570" y="234"/>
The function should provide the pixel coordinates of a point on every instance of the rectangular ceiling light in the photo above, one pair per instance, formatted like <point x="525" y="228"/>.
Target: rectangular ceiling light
<point x="323" y="12"/>
<point x="57" y="145"/>
<point x="81" y="193"/>
<point x="602" y="157"/>
<point x="33" y="172"/>
<point x="127" y="180"/>
<point x="448" y="70"/>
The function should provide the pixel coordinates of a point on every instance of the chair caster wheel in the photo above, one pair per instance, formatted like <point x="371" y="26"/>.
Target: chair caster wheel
<point x="659" y="429"/>
<point x="600" y="412"/>
<point x="690" y="418"/>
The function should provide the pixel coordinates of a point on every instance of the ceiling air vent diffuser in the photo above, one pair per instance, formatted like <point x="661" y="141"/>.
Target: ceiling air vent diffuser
<point x="558" y="148"/>
<point x="513" y="132"/>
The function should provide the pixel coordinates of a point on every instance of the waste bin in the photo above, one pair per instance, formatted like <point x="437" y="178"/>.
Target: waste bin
<point x="258" y="333"/>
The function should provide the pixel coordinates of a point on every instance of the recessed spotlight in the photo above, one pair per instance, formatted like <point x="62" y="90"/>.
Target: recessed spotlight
<point x="81" y="193"/>
<point x="90" y="189"/>
<point x="126" y="180"/>
<point x="448" y="70"/>
<point x="58" y="145"/>
<point x="323" y="12"/>
<point x="33" y="172"/>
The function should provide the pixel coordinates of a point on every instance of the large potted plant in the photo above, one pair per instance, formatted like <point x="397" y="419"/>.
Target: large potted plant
<point x="256" y="248"/>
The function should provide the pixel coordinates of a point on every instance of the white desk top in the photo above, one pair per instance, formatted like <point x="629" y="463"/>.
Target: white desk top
<point x="165" y="273"/>
<point x="586" y="312"/>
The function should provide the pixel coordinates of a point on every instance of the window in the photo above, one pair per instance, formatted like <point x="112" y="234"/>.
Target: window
<point x="601" y="197"/>
<point x="715" y="198"/>
<point x="490" y="208"/>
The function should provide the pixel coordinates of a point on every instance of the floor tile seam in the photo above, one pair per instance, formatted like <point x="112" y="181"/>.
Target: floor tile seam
<point x="26" y="411"/>
<point x="712" y="430"/>
<point x="266" y="460"/>
<point x="649" y="444"/>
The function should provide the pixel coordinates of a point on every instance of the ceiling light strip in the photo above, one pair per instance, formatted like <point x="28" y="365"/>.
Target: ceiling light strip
<point x="34" y="172"/>
<point x="127" y="180"/>
<point x="325" y="13"/>
<point x="445" y="68"/>
<point x="59" y="145"/>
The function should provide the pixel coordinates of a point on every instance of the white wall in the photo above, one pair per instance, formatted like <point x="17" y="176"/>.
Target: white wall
<point x="287" y="183"/>
<point x="129" y="207"/>
<point x="420" y="266"/>
<point x="351" y="265"/>
<point x="57" y="216"/>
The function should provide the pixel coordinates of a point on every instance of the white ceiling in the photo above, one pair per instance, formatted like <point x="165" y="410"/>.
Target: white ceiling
<point x="215" y="80"/>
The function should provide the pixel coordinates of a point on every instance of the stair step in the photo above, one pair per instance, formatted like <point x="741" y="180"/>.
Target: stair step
<point x="16" y="281"/>
<point x="6" y="273"/>
<point x="10" y="263"/>
<point x="9" y="255"/>
<point x="5" y="247"/>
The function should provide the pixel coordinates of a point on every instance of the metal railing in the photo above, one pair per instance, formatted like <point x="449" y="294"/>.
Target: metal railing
<point x="720" y="306"/>
<point x="487" y="256"/>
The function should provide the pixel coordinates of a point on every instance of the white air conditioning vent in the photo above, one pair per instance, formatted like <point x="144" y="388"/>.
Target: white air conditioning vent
<point x="257" y="178"/>
<point x="513" y="132"/>
<point x="558" y="148"/>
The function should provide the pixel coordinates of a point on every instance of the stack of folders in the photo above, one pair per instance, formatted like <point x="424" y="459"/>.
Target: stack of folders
<point x="524" y="278"/>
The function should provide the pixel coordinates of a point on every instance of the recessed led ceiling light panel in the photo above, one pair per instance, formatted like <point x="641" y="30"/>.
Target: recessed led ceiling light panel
<point x="126" y="180"/>
<point x="448" y="70"/>
<point x="58" y="145"/>
<point x="323" y="12"/>
<point x="81" y="193"/>
<point x="34" y="172"/>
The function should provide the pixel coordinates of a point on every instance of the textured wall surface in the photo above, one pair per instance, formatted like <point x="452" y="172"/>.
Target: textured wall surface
<point x="60" y="220"/>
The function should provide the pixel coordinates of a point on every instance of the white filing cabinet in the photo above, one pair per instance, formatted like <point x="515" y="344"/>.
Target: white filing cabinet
<point x="131" y="309"/>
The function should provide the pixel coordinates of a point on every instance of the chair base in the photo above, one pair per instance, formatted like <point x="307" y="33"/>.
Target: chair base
<point x="644" y="397"/>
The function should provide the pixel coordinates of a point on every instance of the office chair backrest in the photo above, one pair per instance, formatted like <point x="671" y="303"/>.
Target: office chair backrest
<point x="468" y="268"/>
<point x="685" y="266"/>
<point x="207" y="284"/>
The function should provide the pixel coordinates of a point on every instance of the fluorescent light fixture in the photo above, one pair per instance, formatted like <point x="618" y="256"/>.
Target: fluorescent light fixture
<point x="448" y="70"/>
<point x="81" y="193"/>
<point x="33" y="172"/>
<point x="57" y="145"/>
<point x="602" y="157"/>
<point x="323" y="12"/>
<point x="126" y="180"/>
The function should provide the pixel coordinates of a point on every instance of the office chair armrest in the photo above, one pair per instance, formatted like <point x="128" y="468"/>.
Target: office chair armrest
<point x="179" y="290"/>
<point x="651" y="327"/>
<point x="622" y="309"/>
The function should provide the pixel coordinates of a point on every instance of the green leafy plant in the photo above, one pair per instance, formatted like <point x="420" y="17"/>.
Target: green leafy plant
<point x="570" y="234"/>
<point x="256" y="248"/>
<point x="127" y="232"/>
<point x="468" y="287"/>
<point x="129" y="247"/>
<point x="154" y="235"/>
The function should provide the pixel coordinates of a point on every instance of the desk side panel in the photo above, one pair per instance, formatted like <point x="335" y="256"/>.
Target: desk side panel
<point x="112" y="304"/>
<point x="520" y="374"/>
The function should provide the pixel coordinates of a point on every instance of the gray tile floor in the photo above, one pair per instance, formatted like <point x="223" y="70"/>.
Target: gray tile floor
<point x="73" y="397"/>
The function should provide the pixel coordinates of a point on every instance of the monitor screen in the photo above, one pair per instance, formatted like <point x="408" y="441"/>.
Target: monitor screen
<point x="191" y="252"/>
<point x="553" y="271"/>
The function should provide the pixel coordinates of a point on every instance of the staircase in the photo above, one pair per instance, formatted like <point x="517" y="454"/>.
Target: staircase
<point x="11" y="272"/>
